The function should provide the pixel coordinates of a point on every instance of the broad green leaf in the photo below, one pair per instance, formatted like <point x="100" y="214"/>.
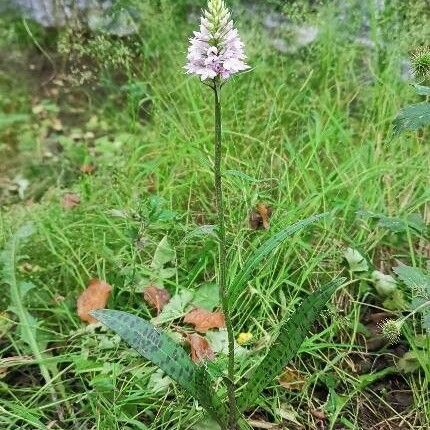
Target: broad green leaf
<point x="291" y="335"/>
<point x="397" y="225"/>
<point x="412" y="221"/>
<point x="25" y="287"/>
<point x="419" y="283"/>
<point x="218" y="341"/>
<point x="265" y="249"/>
<point x="158" y="348"/>
<point x="206" y="424"/>
<point x="412" y="117"/>
<point x="163" y="254"/>
<point x="356" y="262"/>
<point x="159" y="382"/>
<point x="206" y="296"/>
<point x="201" y="231"/>
<point x="422" y="90"/>
<point x="175" y="309"/>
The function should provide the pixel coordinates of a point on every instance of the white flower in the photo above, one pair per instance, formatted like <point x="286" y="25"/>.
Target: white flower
<point x="216" y="49"/>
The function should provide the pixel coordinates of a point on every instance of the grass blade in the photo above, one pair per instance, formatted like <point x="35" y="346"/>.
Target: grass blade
<point x="265" y="249"/>
<point x="291" y="335"/>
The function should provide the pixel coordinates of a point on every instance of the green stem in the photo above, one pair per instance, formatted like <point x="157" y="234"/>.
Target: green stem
<point x="232" y="422"/>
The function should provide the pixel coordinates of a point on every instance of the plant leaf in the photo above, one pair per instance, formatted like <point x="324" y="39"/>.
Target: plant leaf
<point x="158" y="348"/>
<point x="266" y="248"/>
<point x="95" y="296"/>
<point x="156" y="297"/>
<point x="286" y="345"/>
<point x="163" y="254"/>
<point x="176" y="308"/>
<point x="206" y="296"/>
<point x="419" y="283"/>
<point x="204" y="320"/>
<point x="412" y="221"/>
<point x="422" y="90"/>
<point x="412" y="117"/>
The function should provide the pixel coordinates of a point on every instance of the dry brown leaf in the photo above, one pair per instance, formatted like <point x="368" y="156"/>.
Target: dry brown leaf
<point x="70" y="200"/>
<point x="203" y="320"/>
<point x="87" y="168"/>
<point x="156" y="297"/>
<point x="151" y="184"/>
<point x="319" y="415"/>
<point x="259" y="219"/>
<point x="200" y="348"/>
<point x="94" y="297"/>
<point x="292" y="379"/>
<point x="260" y="424"/>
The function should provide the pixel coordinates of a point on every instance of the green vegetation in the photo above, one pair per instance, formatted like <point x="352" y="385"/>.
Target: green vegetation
<point x="106" y="151"/>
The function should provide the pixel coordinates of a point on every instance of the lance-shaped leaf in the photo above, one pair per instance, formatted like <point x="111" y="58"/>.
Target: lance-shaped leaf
<point x="286" y="345"/>
<point x="265" y="249"/>
<point x="161" y="350"/>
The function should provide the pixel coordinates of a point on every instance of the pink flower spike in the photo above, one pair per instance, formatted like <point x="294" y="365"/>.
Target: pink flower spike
<point x="216" y="49"/>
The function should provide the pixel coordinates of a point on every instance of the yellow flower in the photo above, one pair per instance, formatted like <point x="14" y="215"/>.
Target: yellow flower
<point x="244" y="338"/>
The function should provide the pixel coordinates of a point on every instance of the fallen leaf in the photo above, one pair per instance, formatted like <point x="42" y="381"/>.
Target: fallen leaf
<point x="156" y="297"/>
<point x="287" y="412"/>
<point x="259" y="219"/>
<point x="56" y="124"/>
<point x="70" y="200"/>
<point x="94" y="297"/>
<point x="265" y="213"/>
<point x="260" y="424"/>
<point x="204" y="320"/>
<point x="176" y="308"/>
<point x="87" y="168"/>
<point x="151" y="184"/>
<point x="319" y="415"/>
<point x="292" y="379"/>
<point x="200" y="348"/>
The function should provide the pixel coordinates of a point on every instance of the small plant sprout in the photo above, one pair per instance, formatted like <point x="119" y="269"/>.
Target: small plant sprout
<point x="215" y="54"/>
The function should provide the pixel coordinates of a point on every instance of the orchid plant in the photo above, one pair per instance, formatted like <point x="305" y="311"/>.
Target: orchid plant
<point x="215" y="54"/>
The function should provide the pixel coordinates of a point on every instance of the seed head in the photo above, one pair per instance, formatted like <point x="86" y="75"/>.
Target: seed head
<point x="391" y="330"/>
<point x="421" y="62"/>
